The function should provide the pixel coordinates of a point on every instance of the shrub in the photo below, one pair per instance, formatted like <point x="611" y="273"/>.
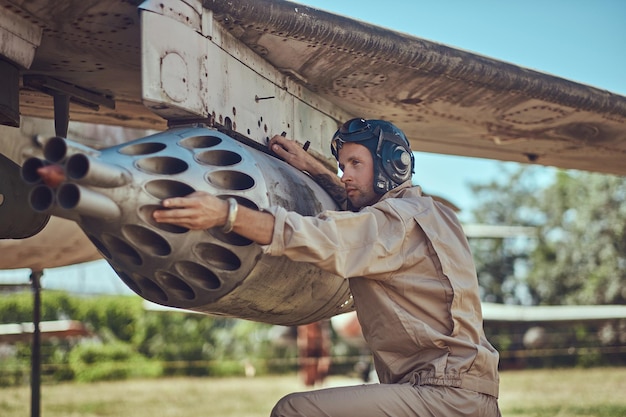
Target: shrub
<point x="97" y="362"/>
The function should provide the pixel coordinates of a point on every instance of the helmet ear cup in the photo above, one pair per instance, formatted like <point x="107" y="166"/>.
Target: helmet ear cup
<point x="397" y="162"/>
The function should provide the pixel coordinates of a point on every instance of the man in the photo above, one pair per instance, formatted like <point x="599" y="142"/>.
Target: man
<point x="410" y="270"/>
<point x="313" y="341"/>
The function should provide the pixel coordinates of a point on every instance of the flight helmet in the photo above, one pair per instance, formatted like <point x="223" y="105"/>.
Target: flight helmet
<point x="390" y="149"/>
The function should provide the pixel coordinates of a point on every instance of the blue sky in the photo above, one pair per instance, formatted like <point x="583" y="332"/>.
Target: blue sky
<point x="580" y="40"/>
<point x="583" y="41"/>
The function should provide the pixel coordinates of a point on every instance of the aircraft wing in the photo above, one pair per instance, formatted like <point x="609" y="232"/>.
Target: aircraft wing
<point x="446" y="100"/>
<point x="494" y="314"/>
<point x="347" y="325"/>
<point x="57" y="329"/>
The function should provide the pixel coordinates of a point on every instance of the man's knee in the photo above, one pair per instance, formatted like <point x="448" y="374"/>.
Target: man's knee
<point x="291" y="405"/>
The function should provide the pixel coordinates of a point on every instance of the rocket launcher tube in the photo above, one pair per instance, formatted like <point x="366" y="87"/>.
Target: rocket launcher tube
<point x="58" y="149"/>
<point x="90" y="171"/>
<point x="29" y="170"/>
<point x="86" y="202"/>
<point x="42" y="199"/>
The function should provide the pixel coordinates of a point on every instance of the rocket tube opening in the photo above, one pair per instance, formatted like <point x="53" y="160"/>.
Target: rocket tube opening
<point x="145" y="148"/>
<point x="55" y="149"/>
<point x="122" y="251"/>
<point x="196" y="142"/>
<point x="163" y="189"/>
<point x="198" y="275"/>
<point x="29" y="170"/>
<point x="163" y="165"/>
<point x="150" y="289"/>
<point x="175" y="285"/>
<point x="68" y="196"/>
<point x="41" y="198"/>
<point x="218" y="256"/>
<point x="147" y="240"/>
<point x="231" y="180"/>
<point x="58" y="149"/>
<point x="219" y="158"/>
<point x="77" y="166"/>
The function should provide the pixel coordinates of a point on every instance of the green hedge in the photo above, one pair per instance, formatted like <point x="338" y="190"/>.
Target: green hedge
<point x="101" y="362"/>
<point x="129" y="341"/>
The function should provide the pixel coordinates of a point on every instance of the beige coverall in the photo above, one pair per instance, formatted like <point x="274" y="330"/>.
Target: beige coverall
<point x="415" y="291"/>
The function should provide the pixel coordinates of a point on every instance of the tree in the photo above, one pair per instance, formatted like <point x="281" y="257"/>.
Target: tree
<point x="510" y="200"/>
<point x="579" y="255"/>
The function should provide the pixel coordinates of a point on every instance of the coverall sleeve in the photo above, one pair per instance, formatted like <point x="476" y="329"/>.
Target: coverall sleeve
<point x="363" y="244"/>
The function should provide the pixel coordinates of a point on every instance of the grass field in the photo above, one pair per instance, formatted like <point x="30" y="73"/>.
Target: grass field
<point x="538" y="393"/>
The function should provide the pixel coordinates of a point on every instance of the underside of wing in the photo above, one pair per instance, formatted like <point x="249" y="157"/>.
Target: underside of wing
<point x="446" y="100"/>
<point x="88" y="50"/>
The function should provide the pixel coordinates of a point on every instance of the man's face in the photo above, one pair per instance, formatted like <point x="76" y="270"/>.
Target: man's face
<point x="357" y="164"/>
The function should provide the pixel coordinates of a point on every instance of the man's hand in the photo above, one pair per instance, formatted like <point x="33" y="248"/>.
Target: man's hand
<point x="293" y="154"/>
<point x="201" y="210"/>
<point x="298" y="157"/>
<point x="197" y="211"/>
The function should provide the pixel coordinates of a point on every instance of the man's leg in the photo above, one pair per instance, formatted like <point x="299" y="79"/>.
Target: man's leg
<point x="396" y="400"/>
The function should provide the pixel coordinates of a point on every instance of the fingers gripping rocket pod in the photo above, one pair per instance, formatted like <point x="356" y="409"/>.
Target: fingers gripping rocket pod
<point x="112" y="194"/>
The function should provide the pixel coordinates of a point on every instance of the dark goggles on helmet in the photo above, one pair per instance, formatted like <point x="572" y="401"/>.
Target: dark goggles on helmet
<point x="360" y="130"/>
<point x="355" y="130"/>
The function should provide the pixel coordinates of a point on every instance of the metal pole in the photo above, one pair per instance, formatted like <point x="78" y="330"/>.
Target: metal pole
<point x="35" y="378"/>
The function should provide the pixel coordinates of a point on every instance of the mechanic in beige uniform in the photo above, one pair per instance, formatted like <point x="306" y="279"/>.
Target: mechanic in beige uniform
<point x="410" y="270"/>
